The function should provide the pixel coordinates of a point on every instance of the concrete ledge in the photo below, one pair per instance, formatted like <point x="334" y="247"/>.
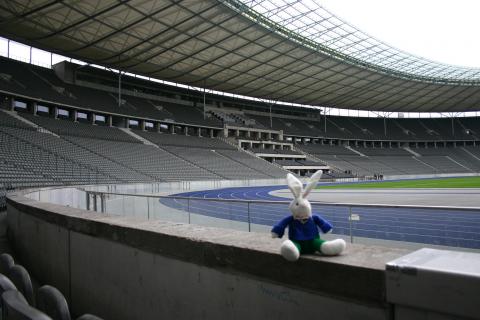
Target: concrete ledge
<point x="357" y="277"/>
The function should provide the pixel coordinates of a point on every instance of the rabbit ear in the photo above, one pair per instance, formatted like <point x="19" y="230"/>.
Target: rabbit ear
<point x="312" y="183"/>
<point x="294" y="185"/>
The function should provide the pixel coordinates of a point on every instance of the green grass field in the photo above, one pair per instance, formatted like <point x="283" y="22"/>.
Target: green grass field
<point x="465" y="182"/>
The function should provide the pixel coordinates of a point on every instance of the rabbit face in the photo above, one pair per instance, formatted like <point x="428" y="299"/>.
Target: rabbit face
<point x="300" y="208"/>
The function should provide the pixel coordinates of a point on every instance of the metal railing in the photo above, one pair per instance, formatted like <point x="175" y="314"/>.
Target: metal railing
<point x="438" y="225"/>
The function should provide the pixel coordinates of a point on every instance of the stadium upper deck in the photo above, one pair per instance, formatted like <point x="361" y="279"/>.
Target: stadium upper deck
<point x="93" y="91"/>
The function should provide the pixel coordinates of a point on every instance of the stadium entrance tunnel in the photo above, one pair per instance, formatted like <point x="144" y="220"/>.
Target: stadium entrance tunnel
<point x="130" y="268"/>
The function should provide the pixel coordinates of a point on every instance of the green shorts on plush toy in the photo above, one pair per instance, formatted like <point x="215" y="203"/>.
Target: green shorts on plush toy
<point x="308" y="246"/>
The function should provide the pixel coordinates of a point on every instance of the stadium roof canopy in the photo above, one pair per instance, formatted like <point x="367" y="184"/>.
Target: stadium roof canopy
<point x="286" y="50"/>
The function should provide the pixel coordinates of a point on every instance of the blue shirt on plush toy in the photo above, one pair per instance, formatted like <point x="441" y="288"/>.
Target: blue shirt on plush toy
<point x="300" y="230"/>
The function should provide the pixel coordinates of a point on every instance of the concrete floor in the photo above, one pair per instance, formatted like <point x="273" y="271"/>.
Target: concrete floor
<point x="420" y="197"/>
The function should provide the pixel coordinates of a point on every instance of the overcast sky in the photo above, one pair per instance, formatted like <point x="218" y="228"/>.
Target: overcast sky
<point x="440" y="30"/>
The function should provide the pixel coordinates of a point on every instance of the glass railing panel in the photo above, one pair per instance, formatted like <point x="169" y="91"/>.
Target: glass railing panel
<point x="219" y="213"/>
<point x="168" y="209"/>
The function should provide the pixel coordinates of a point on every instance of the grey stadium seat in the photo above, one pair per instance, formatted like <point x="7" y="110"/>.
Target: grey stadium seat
<point x="6" y="284"/>
<point x="6" y="262"/>
<point x="15" y="307"/>
<point x="52" y="302"/>
<point x="21" y="279"/>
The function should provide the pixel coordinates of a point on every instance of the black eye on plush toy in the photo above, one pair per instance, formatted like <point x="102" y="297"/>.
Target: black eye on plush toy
<point x="303" y="227"/>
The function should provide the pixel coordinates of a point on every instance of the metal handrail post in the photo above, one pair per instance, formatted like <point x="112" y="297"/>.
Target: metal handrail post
<point x="249" y="221"/>
<point x="188" y="210"/>
<point x="87" y="200"/>
<point x="148" y="208"/>
<point x="103" y="203"/>
<point x="350" y="220"/>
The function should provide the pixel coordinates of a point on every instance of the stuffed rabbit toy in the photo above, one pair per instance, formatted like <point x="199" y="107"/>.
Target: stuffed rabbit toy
<point x="303" y="227"/>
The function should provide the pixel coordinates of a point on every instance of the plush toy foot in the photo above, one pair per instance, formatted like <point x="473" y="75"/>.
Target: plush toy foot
<point x="333" y="248"/>
<point x="289" y="251"/>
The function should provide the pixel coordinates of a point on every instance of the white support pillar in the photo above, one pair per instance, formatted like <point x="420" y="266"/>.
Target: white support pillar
<point x="55" y="112"/>
<point x="74" y="115"/>
<point x="110" y="120"/>
<point x="171" y="127"/>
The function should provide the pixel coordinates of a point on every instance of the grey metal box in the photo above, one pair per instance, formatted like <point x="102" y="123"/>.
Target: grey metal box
<point x="438" y="281"/>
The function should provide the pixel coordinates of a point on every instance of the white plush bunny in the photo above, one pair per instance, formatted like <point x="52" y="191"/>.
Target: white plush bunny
<point x="303" y="233"/>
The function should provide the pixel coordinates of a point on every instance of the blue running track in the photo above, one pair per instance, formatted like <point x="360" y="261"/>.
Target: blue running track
<point x="452" y="227"/>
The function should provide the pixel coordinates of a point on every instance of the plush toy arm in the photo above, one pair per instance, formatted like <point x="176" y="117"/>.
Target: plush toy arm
<point x="279" y="228"/>
<point x="324" y="225"/>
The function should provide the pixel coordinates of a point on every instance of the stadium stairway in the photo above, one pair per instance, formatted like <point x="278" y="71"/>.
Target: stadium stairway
<point x="412" y="152"/>
<point x="471" y="154"/>
<point x="355" y="151"/>
<point x="272" y="172"/>
<point x="459" y="164"/>
<point x="254" y="155"/>
<point x="28" y="123"/>
<point x="139" y="138"/>
<point x="425" y="164"/>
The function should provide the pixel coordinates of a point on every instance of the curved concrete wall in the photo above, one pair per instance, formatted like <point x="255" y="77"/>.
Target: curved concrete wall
<point x="123" y="268"/>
